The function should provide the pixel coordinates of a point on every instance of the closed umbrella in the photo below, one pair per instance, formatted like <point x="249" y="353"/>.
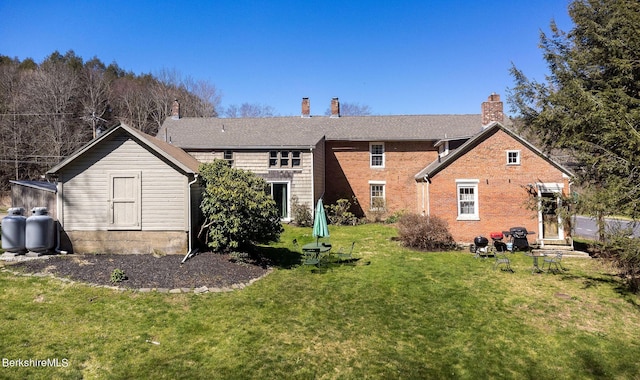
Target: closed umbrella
<point x="320" y="228"/>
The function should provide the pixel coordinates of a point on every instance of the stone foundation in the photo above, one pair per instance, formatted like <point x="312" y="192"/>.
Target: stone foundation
<point x="127" y="242"/>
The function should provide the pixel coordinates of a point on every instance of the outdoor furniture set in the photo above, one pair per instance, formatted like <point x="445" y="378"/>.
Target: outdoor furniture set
<point x="517" y="241"/>
<point x="319" y="253"/>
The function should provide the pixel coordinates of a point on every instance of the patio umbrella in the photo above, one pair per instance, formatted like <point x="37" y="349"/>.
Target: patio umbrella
<point x="320" y="228"/>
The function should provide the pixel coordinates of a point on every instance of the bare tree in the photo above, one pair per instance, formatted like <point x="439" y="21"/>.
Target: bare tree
<point x="249" y="110"/>
<point x="207" y="97"/>
<point x="50" y="109"/>
<point x="96" y="90"/>
<point x="134" y="107"/>
<point x="53" y="90"/>
<point x="352" y="109"/>
<point x="197" y="98"/>
<point x="12" y="110"/>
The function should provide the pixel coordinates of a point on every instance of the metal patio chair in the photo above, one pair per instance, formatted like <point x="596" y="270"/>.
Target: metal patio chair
<point x="345" y="256"/>
<point x="502" y="259"/>
<point x="555" y="260"/>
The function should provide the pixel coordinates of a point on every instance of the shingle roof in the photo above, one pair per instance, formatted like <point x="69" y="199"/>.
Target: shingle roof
<point x="203" y="133"/>
<point x="172" y="153"/>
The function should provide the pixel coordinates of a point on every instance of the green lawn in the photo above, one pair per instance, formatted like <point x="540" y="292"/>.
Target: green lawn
<point x="395" y="314"/>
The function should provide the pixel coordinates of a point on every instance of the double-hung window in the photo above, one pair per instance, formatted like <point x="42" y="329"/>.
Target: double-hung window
<point x="376" y="153"/>
<point x="376" y="195"/>
<point x="467" y="193"/>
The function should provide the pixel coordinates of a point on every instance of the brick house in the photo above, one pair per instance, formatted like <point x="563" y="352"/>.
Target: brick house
<point x="490" y="182"/>
<point x="471" y="170"/>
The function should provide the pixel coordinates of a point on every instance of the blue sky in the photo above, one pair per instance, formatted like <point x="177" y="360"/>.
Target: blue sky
<point x="397" y="57"/>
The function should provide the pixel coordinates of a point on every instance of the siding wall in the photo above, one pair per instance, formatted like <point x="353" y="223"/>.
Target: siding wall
<point x="303" y="186"/>
<point x="502" y="194"/>
<point x="85" y="192"/>
<point x="30" y="197"/>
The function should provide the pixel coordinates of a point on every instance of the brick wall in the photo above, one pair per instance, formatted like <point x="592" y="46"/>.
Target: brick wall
<point x="502" y="195"/>
<point x="348" y="173"/>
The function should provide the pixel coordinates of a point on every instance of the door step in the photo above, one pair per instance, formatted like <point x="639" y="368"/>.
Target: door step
<point x="557" y="244"/>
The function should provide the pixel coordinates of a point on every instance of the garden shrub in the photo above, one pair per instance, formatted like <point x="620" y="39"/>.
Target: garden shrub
<point x="395" y="217"/>
<point x="238" y="210"/>
<point x="622" y="250"/>
<point x="339" y="213"/>
<point x="301" y="213"/>
<point x="429" y="233"/>
<point x="117" y="276"/>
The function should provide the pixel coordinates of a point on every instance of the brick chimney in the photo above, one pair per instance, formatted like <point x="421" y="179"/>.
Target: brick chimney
<point x="306" y="108"/>
<point x="335" y="107"/>
<point x="175" y="110"/>
<point x="492" y="110"/>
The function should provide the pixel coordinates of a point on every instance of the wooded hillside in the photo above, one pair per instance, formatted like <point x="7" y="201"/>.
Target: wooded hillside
<point x="49" y="109"/>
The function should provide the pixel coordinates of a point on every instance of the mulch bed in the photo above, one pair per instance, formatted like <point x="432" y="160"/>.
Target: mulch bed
<point x="147" y="271"/>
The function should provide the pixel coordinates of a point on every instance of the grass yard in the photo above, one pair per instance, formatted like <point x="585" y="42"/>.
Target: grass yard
<point x="406" y="315"/>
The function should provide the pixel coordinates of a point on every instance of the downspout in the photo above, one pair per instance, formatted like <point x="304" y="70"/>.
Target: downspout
<point x="427" y="182"/>
<point x="190" y="252"/>
<point x="59" y="214"/>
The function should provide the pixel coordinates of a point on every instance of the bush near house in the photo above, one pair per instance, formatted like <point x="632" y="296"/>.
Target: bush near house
<point x="424" y="232"/>
<point x="237" y="209"/>
<point x="301" y="213"/>
<point x="339" y="213"/>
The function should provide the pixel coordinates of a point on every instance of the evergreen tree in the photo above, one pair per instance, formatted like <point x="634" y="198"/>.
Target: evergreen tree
<point x="589" y="104"/>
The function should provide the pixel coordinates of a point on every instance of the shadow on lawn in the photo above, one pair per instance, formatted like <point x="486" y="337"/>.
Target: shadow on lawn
<point x="607" y="279"/>
<point x="282" y="258"/>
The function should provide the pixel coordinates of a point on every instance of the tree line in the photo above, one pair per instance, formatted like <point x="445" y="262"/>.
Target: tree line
<point x="50" y="109"/>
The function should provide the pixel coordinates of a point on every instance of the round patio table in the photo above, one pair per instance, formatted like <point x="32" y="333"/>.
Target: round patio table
<point x="535" y="256"/>
<point x="317" y="247"/>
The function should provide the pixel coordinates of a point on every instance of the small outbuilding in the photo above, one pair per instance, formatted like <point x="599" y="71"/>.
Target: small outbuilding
<point x="128" y="192"/>
<point x="31" y="194"/>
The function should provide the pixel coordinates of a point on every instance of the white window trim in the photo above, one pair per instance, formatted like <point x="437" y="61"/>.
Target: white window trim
<point x="286" y="218"/>
<point x="550" y="187"/>
<point x="518" y="155"/>
<point x="371" y="144"/>
<point x="473" y="183"/>
<point x="384" y="194"/>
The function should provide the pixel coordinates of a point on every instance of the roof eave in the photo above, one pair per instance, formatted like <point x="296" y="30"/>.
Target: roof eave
<point x="428" y="172"/>
<point x="132" y="132"/>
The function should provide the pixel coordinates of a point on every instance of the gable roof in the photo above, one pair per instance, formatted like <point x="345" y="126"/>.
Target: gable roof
<point x="438" y="165"/>
<point x="178" y="157"/>
<point x="295" y="131"/>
